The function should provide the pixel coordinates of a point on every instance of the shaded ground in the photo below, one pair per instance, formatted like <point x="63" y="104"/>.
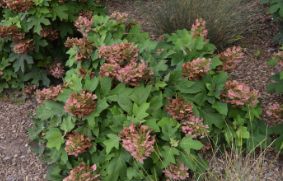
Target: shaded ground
<point x="18" y="163"/>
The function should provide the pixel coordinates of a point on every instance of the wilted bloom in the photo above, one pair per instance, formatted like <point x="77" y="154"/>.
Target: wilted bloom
<point x="120" y="17"/>
<point x="86" y="13"/>
<point x="1" y="73"/>
<point x="122" y="64"/>
<point x="19" y="5"/>
<point x="80" y="105"/>
<point x="83" y="73"/>
<point x="50" y="93"/>
<point x="23" y="47"/>
<point x="239" y="94"/>
<point x="83" y="173"/>
<point x="56" y="69"/>
<point x="77" y="144"/>
<point x="178" y="109"/>
<point x="194" y="126"/>
<point x="138" y="141"/>
<point x="276" y="110"/>
<point x="230" y="58"/>
<point x="278" y="57"/>
<point x="7" y="31"/>
<point x="175" y="172"/>
<point x="29" y="89"/>
<point x="196" y="69"/>
<point x="49" y="32"/>
<point x="198" y="29"/>
<point x="85" y="47"/>
<point x="83" y="24"/>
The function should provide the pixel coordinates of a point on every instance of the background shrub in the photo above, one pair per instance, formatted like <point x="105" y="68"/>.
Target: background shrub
<point x="225" y="19"/>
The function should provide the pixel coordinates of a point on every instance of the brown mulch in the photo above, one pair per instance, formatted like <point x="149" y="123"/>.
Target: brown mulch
<point x="18" y="163"/>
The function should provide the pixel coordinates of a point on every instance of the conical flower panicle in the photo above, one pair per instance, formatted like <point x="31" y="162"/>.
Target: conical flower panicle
<point x="83" y="173"/>
<point x="23" y="47"/>
<point x="275" y="110"/>
<point x="83" y="44"/>
<point x="196" y="69"/>
<point x="80" y="105"/>
<point x="86" y="13"/>
<point x="83" y="24"/>
<point x="198" y="29"/>
<point x="50" y="93"/>
<point x="178" y="109"/>
<point x="238" y="94"/>
<point x="56" y="69"/>
<point x="138" y="141"/>
<point x="119" y="17"/>
<point x="77" y="144"/>
<point x="230" y="58"/>
<point x="175" y="172"/>
<point x="19" y="5"/>
<point x="194" y="126"/>
<point x="123" y="64"/>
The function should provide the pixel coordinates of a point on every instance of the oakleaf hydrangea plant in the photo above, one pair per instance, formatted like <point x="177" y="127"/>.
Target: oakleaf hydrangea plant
<point x="77" y="144"/>
<point x="83" y="173"/>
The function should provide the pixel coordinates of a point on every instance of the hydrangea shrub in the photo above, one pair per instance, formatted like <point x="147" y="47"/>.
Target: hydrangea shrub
<point x="149" y="127"/>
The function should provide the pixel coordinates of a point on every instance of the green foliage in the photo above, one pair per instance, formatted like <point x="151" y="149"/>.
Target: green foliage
<point x="31" y="65"/>
<point x="118" y="105"/>
<point x="224" y="22"/>
<point x="276" y="8"/>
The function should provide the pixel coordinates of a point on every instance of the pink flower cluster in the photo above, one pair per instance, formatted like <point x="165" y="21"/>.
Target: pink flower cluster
<point x="122" y="64"/>
<point x="80" y="105"/>
<point x="83" y="44"/>
<point x="196" y="69"/>
<point x="83" y="24"/>
<point x="48" y="94"/>
<point x="138" y="141"/>
<point x="176" y="172"/>
<point x="23" y="47"/>
<point x="83" y="173"/>
<point x="1" y="73"/>
<point x="77" y="144"/>
<point x="178" y="109"/>
<point x="230" y="58"/>
<point x="119" y="17"/>
<point x="19" y="5"/>
<point x="278" y="57"/>
<point x="194" y="126"/>
<point x="276" y="110"/>
<point x="239" y="94"/>
<point x="29" y="89"/>
<point x="56" y="69"/>
<point x="198" y="29"/>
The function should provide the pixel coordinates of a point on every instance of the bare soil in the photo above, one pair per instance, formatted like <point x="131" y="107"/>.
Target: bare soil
<point x="18" y="163"/>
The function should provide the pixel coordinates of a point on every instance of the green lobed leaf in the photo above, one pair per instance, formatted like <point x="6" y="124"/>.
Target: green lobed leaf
<point x="187" y="143"/>
<point x="54" y="138"/>
<point x="140" y="112"/>
<point x="169" y="155"/>
<point x="112" y="142"/>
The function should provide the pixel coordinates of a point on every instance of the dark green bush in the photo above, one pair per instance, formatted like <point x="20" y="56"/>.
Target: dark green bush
<point x="39" y="29"/>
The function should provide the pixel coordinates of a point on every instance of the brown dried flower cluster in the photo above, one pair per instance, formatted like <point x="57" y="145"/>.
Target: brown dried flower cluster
<point x="19" y="5"/>
<point x="48" y="32"/>
<point x="83" y="73"/>
<point x="50" y="93"/>
<point x="77" y="144"/>
<point x="12" y="31"/>
<point x="23" y="47"/>
<point x="178" y="109"/>
<point x="83" y="44"/>
<point x="29" y="90"/>
<point x="86" y="13"/>
<point x="80" y="105"/>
